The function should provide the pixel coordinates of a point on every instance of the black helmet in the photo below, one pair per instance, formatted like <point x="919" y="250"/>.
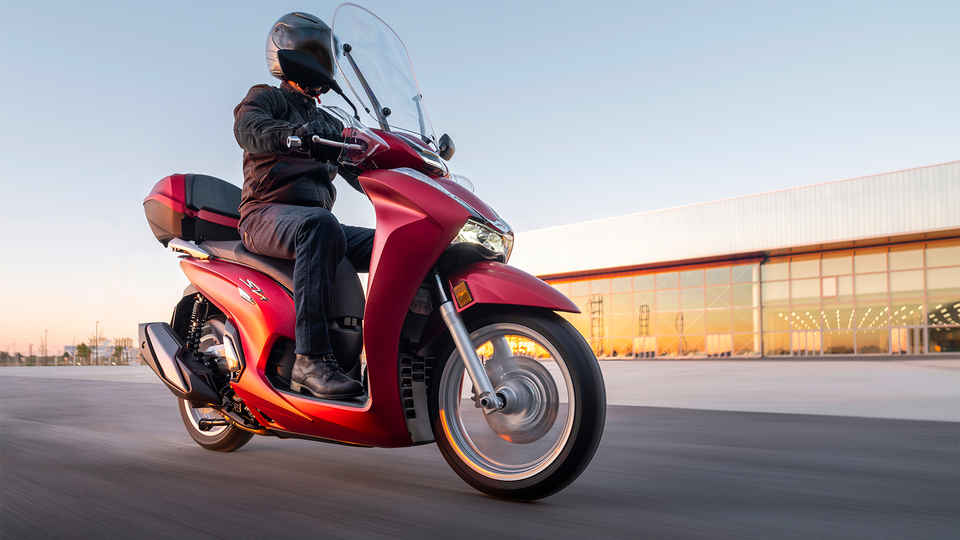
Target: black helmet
<point x="299" y="50"/>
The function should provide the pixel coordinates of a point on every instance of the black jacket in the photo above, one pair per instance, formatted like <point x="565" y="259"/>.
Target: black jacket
<point x="271" y="172"/>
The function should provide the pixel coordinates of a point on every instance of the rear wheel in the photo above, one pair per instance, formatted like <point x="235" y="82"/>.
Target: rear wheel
<point x="551" y="425"/>
<point x="219" y="438"/>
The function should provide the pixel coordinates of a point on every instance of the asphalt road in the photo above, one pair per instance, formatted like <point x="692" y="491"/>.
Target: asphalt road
<point x="87" y="459"/>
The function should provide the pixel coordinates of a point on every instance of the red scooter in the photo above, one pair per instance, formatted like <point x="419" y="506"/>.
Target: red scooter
<point x="451" y="344"/>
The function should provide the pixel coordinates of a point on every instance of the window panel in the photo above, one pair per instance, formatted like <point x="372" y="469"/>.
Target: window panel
<point x="911" y="280"/>
<point x="746" y="344"/>
<point x="691" y="278"/>
<point x="744" y="273"/>
<point x="621" y="284"/>
<point x="667" y="345"/>
<point x="870" y="261"/>
<point x="718" y="321"/>
<point x="776" y="319"/>
<point x="691" y="298"/>
<point x="828" y="287"/>
<point x="836" y="264"/>
<point x="692" y="346"/>
<point x="943" y="254"/>
<point x="871" y="284"/>
<point x="805" y="267"/>
<point x="906" y="310"/>
<point x="643" y="299"/>
<point x="805" y="289"/>
<point x="776" y="343"/>
<point x="665" y="323"/>
<point x="621" y="303"/>
<point x="943" y="340"/>
<point x="580" y="288"/>
<point x="902" y="259"/>
<point x="873" y="341"/>
<point x="718" y="297"/>
<point x="690" y="322"/>
<point x="643" y="282"/>
<point x="838" y="342"/>
<point x="844" y="286"/>
<point x="744" y="320"/>
<point x="668" y="300"/>
<point x="717" y="276"/>
<point x="775" y="270"/>
<point x="743" y="294"/>
<point x="600" y="286"/>
<point x="943" y="278"/>
<point x="778" y="291"/>
<point x="667" y="280"/>
<point x="718" y="345"/>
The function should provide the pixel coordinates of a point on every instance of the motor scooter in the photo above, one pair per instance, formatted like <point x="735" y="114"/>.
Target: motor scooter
<point x="451" y="343"/>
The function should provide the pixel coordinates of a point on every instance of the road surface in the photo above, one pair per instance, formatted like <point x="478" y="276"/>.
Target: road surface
<point x="93" y="458"/>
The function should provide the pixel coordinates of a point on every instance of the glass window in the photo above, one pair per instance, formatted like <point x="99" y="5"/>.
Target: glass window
<point x="668" y="300"/>
<point x="643" y="282"/>
<point x="805" y="289"/>
<point x="775" y="270"/>
<point x="691" y="298"/>
<point x="667" y="280"/>
<point x="691" y="278"/>
<point x="873" y="341"/>
<point x="870" y="261"/>
<point x="901" y="259"/>
<point x="804" y="267"/>
<point x="906" y="311"/>
<point x="776" y="319"/>
<point x="834" y="264"/>
<point x="743" y="273"/>
<point x="718" y="276"/>
<point x="743" y="294"/>
<point x="718" y="296"/>
<point x="563" y="288"/>
<point x="744" y="320"/>
<point x="844" y="286"/>
<point x="828" y="287"/>
<point x="944" y="340"/>
<point x="642" y="299"/>
<point x="871" y="284"/>
<point x="746" y="344"/>
<point x="690" y="322"/>
<point x="778" y="291"/>
<point x="718" y="321"/>
<point x="692" y="346"/>
<point x="665" y="323"/>
<point x="838" y="342"/>
<point x="943" y="254"/>
<point x="776" y="343"/>
<point x="943" y="278"/>
<point x="667" y="346"/>
<point x="911" y="280"/>
<point x="621" y="303"/>
<point x="600" y="286"/>
<point x="580" y="288"/>
<point x="622" y="284"/>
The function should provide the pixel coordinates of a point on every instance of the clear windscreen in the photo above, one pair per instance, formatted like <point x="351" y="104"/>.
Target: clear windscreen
<point x="374" y="64"/>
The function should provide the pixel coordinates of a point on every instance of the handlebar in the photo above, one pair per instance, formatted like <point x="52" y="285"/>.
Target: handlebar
<point x="294" y="142"/>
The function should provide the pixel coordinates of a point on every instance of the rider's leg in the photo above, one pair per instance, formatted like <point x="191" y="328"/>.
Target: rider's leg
<point x="311" y="236"/>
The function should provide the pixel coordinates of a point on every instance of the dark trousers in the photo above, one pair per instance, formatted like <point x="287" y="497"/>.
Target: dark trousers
<point x="317" y="242"/>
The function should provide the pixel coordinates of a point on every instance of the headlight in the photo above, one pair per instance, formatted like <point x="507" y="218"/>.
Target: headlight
<point x="474" y="232"/>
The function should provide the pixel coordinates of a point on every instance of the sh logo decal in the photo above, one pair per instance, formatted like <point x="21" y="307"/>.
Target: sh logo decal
<point x="254" y="288"/>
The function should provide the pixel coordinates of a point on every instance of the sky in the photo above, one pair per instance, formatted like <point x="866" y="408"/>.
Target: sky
<point x="561" y="112"/>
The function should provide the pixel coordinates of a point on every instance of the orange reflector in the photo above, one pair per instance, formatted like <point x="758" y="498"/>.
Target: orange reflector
<point x="462" y="293"/>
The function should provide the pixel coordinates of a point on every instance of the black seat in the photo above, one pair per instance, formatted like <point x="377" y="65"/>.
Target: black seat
<point x="348" y="297"/>
<point x="280" y="270"/>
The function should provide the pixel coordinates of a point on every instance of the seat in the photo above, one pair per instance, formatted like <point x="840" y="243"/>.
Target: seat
<point x="281" y="270"/>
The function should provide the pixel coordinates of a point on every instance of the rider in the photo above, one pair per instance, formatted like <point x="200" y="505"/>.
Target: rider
<point x="288" y="195"/>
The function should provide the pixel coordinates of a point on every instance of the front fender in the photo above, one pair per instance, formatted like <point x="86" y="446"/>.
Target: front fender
<point x="492" y="282"/>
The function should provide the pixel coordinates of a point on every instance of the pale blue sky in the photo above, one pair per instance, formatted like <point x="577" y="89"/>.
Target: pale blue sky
<point x="562" y="111"/>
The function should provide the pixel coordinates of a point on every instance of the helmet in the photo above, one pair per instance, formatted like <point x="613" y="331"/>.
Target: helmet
<point x="299" y="50"/>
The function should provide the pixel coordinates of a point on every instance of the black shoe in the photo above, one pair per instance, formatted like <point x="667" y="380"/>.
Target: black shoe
<point x="322" y="377"/>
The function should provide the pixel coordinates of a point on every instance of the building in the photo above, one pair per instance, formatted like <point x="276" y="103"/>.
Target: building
<point x="866" y="267"/>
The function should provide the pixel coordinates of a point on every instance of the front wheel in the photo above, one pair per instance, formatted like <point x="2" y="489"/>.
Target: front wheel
<point x="551" y="425"/>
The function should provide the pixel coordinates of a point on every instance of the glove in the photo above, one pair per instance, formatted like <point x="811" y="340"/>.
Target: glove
<point x="326" y="130"/>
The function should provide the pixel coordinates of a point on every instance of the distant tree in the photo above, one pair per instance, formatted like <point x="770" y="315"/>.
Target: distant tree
<point x="117" y="355"/>
<point x="83" y="353"/>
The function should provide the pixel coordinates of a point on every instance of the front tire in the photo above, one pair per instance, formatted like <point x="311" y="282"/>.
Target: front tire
<point x="547" y="439"/>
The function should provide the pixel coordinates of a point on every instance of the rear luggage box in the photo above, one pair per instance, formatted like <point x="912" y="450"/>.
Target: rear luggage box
<point x="193" y="207"/>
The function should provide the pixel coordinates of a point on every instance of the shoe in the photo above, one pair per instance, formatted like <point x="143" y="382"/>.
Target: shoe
<point x="322" y="377"/>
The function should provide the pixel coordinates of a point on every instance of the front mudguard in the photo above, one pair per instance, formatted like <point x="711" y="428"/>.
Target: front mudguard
<point x="490" y="282"/>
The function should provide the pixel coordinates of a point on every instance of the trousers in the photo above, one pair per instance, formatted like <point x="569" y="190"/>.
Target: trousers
<point x="316" y="241"/>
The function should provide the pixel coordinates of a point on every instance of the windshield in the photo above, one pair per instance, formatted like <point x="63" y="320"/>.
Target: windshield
<point x="373" y="62"/>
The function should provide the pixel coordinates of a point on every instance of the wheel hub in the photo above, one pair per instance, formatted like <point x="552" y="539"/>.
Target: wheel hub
<point x="530" y="399"/>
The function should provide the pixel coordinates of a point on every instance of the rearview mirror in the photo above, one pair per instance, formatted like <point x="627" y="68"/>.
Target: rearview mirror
<point x="447" y="148"/>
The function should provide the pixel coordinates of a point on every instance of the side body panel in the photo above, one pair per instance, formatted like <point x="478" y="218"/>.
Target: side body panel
<point x="497" y="283"/>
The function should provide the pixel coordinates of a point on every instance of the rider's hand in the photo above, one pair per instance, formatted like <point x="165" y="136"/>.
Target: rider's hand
<point x="325" y="130"/>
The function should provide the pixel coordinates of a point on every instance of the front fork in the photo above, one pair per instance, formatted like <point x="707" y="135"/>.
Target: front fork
<point x="487" y="396"/>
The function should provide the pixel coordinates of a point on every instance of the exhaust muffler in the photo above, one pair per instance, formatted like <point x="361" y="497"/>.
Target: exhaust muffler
<point x="162" y="350"/>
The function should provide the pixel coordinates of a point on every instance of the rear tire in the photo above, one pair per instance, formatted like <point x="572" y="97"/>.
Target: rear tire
<point x="576" y="443"/>
<point x="219" y="439"/>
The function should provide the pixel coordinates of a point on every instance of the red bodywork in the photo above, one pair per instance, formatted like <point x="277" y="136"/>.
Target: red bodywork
<point x="415" y="224"/>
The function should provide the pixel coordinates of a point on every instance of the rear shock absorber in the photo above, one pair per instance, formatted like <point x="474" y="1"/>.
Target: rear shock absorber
<point x="197" y="317"/>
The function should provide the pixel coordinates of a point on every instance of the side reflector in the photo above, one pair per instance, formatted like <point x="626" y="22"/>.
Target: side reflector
<point x="462" y="293"/>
